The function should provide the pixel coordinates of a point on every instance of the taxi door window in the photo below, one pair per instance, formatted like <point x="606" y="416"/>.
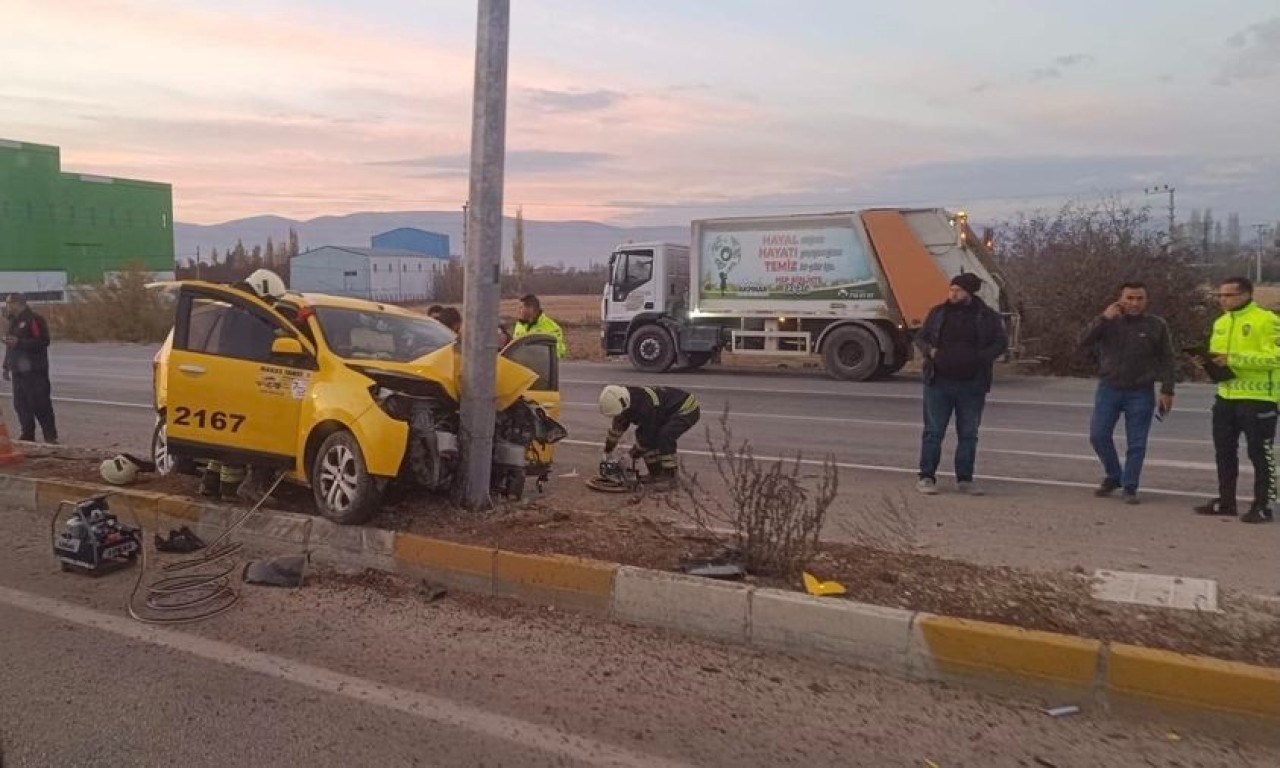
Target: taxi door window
<point x="225" y="330"/>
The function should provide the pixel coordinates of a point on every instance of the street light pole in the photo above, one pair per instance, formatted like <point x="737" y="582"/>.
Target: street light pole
<point x="483" y="257"/>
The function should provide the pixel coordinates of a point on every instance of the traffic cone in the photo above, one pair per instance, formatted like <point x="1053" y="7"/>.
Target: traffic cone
<point x="9" y="453"/>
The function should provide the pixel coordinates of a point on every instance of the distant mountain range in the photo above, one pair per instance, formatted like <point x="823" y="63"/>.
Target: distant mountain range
<point x="570" y="243"/>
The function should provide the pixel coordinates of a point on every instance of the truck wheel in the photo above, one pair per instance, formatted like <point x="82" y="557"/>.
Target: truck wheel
<point x="652" y="349"/>
<point x="344" y="490"/>
<point x="851" y="353"/>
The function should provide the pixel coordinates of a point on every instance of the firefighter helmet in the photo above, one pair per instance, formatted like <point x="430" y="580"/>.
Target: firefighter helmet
<point x="266" y="283"/>
<point x="119" y="470"/>
<point x="614" y="400"/>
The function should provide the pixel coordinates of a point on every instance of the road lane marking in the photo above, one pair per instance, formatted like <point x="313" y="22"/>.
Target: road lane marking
<point x="765" y="390"/>
<point x="1206" y="466"/>
<point x="916" y="425"/>
<point x="84" y="401"/>
<point x="910" y="471"/>
<point x="423" y="706"/>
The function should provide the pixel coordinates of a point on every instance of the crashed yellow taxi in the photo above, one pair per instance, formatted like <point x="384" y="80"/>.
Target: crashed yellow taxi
<point x="341" y="394"/>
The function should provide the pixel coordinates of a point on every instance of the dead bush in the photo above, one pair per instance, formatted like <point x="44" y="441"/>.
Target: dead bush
<point x="121" y="309"/>
<point x="773" y="515"/>
<point x="889" y="524"/>
<point x="1066" y="267"/>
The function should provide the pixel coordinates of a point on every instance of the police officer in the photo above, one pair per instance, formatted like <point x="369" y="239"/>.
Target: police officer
<point x="1245" y="357"/>
<point x="660" y="415"/>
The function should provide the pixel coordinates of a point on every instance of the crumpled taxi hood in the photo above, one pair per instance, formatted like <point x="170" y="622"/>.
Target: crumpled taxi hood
<point x="444" y="366"/>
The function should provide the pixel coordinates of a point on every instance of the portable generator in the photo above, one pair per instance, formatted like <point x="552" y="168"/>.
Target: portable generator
<point x="93" y="540"/>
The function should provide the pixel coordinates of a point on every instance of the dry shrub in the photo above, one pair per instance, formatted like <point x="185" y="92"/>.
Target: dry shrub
<point x="889" y="524"/>
<point x="774" y="516"/>
<point x="1067" y="267"/>
<point x="122" y="309"/>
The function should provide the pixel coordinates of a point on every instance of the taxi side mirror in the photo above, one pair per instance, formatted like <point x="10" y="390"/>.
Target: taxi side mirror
<point x="287" y="346"/>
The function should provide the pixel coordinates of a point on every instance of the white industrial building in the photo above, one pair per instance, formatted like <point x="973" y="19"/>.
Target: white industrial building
<point x="376" y="274"/>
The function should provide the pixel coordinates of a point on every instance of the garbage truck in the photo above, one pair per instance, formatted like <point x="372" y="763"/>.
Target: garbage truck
<point x="848" y="288"/>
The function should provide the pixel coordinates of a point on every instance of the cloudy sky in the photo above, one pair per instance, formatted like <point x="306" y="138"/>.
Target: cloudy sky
<point x="661" y="110"/>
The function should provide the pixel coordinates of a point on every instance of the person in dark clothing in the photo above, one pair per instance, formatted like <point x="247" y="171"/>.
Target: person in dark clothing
<point x="660" y="415"/>
<point x="26" y="363"/>
<point x="960" y="340"/>
<point x="1135" y="350"/>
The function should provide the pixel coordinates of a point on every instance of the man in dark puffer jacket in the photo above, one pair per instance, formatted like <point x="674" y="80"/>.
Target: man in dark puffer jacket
<point x="960" y="340"/>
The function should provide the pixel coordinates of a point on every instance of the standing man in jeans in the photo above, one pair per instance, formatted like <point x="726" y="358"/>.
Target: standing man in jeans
<point x="1245" y="352"/>
<point x="961" y="339"/>
<point x="1134" y="351"/>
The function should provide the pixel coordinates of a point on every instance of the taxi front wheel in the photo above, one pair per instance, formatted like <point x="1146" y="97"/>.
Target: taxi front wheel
<point x="344" y="490"/>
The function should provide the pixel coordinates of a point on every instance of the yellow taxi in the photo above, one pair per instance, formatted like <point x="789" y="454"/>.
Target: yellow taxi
<point x="342" y="394"/>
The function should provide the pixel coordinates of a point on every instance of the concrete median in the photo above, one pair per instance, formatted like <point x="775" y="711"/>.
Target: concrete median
<point x="897" y="642"/>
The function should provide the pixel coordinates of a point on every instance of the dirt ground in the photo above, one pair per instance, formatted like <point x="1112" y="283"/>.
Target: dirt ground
<point x="645" y="530"/>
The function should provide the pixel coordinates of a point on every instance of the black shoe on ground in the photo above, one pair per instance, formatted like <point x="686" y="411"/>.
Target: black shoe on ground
<point x="1215" y="507"/>
<point x="26" y="438"/>
<point x="1257" y="515"/>
<point x="1106" y="488"/>
<point x="1130" y="497"/>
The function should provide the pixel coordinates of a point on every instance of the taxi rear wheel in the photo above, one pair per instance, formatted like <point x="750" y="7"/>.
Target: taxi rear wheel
<point x="166" y="463"/>
<point x="344" y="490"/>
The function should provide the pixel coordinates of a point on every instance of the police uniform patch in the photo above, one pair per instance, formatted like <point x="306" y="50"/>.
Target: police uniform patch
<point x="1245" y="330"/>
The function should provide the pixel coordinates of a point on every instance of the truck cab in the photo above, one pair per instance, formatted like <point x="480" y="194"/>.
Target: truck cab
<point x="645" y="309"/>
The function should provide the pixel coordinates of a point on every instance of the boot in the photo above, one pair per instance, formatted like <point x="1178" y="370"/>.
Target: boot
<point x="210" y="483"/>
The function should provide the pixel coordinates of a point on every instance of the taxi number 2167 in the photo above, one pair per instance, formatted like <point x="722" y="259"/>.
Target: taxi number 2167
<point x="186" y="417"/>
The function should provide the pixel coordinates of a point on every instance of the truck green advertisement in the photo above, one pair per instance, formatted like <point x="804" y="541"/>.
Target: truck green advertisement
<point x="801" y="261"/>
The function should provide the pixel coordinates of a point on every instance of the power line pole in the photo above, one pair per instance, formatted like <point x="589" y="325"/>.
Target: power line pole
<point x="483" y="257"/>
<point x="1261" y="229"/>
<point x="1163" y="189"/>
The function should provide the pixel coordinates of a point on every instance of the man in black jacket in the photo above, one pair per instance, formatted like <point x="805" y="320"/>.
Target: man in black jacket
<point x="1135" y="350"/>
<point x="660" y="415"/>
<point x="26" y="362"/>
<point x="960" y="340"/>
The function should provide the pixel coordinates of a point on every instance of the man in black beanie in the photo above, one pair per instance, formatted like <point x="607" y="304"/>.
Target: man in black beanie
<point x="960" y="340"/>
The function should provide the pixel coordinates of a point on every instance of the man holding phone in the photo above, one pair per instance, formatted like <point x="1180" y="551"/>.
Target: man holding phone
<point x="1135" y="350"/>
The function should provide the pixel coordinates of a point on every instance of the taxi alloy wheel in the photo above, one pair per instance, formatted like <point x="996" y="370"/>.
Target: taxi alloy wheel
<point x="343" y="489"/>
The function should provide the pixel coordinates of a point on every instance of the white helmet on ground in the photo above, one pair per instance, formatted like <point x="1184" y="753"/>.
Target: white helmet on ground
<point x="266" y="283"/>
<point x="614" y="400"/>
<point x="119" y="470"/>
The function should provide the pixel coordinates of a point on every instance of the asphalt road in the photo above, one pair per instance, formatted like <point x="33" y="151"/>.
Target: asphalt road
<point x="1034" y="430"/>
<point x="1034" y="457"/>
<point x="346" y="676"/>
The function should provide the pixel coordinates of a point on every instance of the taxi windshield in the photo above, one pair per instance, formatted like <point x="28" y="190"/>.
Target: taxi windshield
<point x="355" y="334"/>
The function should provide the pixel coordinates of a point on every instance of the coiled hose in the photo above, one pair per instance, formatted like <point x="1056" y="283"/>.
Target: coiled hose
<point x="192" y="597"/>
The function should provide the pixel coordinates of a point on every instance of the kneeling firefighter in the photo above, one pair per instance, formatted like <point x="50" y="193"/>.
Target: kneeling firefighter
<point x="660" y="415"/>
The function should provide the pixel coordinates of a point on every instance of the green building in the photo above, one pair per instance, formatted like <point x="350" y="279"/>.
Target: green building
<point x="61" y="229"/>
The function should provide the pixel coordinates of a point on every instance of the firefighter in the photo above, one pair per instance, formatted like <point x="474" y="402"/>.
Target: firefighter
<point x="221" y="480"/>
<point x="660" y="415"/>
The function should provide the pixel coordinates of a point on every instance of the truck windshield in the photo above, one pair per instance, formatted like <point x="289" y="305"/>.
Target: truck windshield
<point x="631" y="270"/>
<point x="367" y="335"/>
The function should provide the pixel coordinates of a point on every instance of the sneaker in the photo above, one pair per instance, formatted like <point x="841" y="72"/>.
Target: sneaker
<point x="1257" y="515"/>
<point x="1215" y="507"/>
<point x="1130" y="497"/>
<point x="1106" y="487"/>
<point x="968" y="488"/>
<point x="928" y="486"/>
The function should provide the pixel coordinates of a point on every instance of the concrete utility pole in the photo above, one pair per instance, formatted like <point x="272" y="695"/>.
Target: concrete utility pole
<point x="483" y="258"/>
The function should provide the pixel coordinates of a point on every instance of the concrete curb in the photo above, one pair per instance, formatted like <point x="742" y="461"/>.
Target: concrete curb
<point x="897" y="642"/>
